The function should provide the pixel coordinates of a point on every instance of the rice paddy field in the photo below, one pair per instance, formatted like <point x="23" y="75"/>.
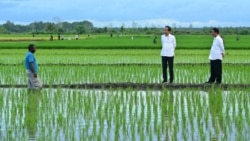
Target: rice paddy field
<point x="118" y="111"/>
<point x="123" y="41"/>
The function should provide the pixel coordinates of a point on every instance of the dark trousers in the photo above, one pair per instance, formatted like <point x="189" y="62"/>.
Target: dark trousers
<point x="168" y="62"/>
<point x="216" y="71"/>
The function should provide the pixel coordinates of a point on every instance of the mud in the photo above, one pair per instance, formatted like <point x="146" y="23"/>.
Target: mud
<point x="139" y="86"/>
<point x="130" y="64"/>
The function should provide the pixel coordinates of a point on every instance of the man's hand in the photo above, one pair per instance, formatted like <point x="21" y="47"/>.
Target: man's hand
<point x="222" y="55"/>
<point x="35" y="75"/>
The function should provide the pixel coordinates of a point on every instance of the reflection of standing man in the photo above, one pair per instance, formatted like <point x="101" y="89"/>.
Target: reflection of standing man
<point x="32" y="68"/>
<point x="31" y="113"/>
<point x="168" y="47"/>
<point x="215" y="98"/>
<point x="216" y="56"/>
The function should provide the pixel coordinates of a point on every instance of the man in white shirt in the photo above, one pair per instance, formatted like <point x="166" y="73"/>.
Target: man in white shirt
<point x="167" y="53"/>
<point x="216" y="56"/>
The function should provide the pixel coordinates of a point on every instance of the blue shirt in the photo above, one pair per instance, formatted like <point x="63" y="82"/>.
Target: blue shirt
<point x="28" y="59"/>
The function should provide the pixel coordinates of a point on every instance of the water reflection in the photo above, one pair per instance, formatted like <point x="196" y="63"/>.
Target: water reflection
<point x="65" y="114"/>
<point x="168" y="99"/>
<point x="31" y="112"/>
<point x="215" y="98"/>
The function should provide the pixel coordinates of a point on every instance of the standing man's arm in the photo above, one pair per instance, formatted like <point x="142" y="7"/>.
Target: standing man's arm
<point x="221" y="47"/>
<point x="162" y="40"/>
<point x="174" y="42"/>
<point x="32" y="67"/>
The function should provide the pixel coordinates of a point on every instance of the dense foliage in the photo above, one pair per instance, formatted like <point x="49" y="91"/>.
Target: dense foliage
<point x="59" y="27"/>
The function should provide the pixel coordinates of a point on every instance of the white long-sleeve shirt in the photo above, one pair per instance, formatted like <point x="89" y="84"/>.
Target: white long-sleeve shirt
<point x="217" y="49"/>
<point x="168" y="45"/>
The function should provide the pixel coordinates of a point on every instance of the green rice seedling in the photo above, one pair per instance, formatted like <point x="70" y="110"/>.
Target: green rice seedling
<point x="106" y="114"/>
<point x="85" y="74"/>
<point x="135" y="74"/>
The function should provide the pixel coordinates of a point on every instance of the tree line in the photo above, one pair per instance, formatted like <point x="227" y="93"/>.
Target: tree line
<point x="47" y="27"/>
<point x="87" y="27"/>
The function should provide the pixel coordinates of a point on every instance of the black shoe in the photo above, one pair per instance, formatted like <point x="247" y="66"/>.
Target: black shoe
<point x="164" y="82"/>
<point x="218" y="83"/>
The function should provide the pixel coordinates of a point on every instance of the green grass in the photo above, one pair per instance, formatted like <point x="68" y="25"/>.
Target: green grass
<point x="124" y="42"/>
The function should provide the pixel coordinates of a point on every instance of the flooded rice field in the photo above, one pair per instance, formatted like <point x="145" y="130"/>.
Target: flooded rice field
<point x="124" y="114"/>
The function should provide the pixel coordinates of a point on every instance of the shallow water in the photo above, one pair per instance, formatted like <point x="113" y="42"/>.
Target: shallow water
<point x="65" y="114"/>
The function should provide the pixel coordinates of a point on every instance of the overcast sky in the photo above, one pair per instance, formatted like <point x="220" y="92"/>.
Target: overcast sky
<point x="117" y="12"/>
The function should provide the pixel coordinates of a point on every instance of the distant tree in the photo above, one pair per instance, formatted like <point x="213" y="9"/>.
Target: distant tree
<point x="58" y="24"/>
<point x="190" y="28"/>
<point x="206" y="30"/>
<point x="134" y="25"/>
<point x="88" y="26"/>
<point x="33" y="28"/>
<point x="37" y="27"/>
<point x="236" y="30"/>
<point x="174" y="27"/>
<point x="3" y="30"/>
<point x="50" y="28"/>
<point x="153" y="27"/>
<point x="60" y="30"/>
<point x="9" y="26"/>
<point x="105" y="29"/>
<point x="98" y="30"/>
<point x="110" y="28"/>
<point x="80" y="29"/>
<point x="84" y="27"/>
<point x="122" y="29"/>
<point x="244" y="32"/>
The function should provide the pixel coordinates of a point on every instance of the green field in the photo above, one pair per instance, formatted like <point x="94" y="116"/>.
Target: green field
<point x="60" y="112"/>
<point x="126" y="66"/>
<point x="123" y="42"/>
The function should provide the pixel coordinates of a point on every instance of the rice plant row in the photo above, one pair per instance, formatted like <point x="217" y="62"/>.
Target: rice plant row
<point x="184" y="74"/>
<point x="63" y="114"/>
